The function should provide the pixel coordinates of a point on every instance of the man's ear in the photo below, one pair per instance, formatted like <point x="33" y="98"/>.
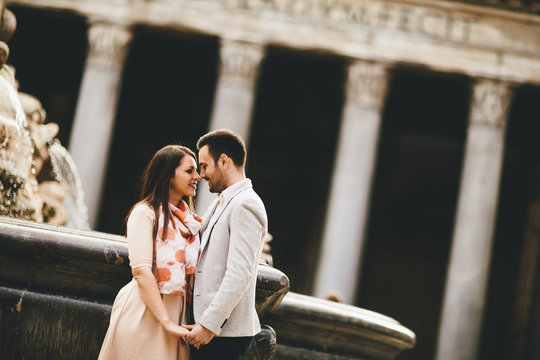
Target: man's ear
<point x="223" y="161"/>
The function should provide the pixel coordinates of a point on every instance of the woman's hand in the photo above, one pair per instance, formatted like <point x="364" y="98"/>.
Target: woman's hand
<point x="175" y="331"/>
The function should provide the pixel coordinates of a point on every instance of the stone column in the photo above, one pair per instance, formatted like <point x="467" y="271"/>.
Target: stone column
<point x="235" y="93"/>
<point x="96" y="109"/>
<point x="466" y="283"/>
<point x="343" y="237"/>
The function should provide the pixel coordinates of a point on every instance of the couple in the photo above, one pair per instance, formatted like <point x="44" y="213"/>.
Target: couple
<point x="182" y="262"/>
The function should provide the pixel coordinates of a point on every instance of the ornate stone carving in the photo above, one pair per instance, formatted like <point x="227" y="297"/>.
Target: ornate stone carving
<point x="108" y="44"/>
<point x="240" y="62"/>
<point x="491" y="100"/>
<point x="366" y="83"/>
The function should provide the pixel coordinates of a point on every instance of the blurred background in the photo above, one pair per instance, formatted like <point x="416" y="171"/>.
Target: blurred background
<point x="394" y="144"/>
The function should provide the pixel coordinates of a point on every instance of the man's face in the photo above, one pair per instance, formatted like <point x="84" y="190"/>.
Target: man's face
<point x="210" y="171"/>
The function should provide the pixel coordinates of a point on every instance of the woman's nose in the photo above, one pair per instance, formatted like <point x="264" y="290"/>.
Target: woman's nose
<point x="197" y="176"/>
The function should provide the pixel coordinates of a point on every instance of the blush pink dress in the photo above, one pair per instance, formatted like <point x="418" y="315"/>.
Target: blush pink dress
<point x="134" y="332"/>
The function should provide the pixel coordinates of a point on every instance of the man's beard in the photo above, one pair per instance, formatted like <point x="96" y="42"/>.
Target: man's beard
<point x="217" y="183"/>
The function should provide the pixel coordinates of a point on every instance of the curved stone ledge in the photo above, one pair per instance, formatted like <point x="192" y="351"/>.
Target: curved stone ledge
<point x="57" y="286"/>
<point x="87" y="264"/>
<point x="309" y="327"/>
<point x="61" y="261"/>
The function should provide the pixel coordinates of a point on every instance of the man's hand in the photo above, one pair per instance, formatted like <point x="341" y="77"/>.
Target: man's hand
<point x="199" y="335"/>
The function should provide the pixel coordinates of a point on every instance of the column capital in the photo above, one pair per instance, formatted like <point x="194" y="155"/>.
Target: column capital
<point x="366" y="83"/>
<point x="239" y="61"/>
<point x="490" y="103"/>
<point x="108" y="44"/>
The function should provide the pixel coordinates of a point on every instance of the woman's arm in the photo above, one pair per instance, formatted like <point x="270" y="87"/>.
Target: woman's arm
<point x="140" y="247"/>
<point x="151" y="297"/>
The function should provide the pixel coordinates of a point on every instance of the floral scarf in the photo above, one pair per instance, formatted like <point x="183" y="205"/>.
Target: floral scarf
<point x="177" y="254"/>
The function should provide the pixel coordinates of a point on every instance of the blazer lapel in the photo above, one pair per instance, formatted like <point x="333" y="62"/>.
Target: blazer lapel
<point x="210" y="227"/>
<point x="208" y="214"/>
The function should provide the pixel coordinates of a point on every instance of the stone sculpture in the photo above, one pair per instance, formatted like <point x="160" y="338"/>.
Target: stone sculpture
<point x="26" y="145"/>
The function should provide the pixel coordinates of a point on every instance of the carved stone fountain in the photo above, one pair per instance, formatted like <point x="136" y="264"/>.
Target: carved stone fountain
<point x="26" y="144"/>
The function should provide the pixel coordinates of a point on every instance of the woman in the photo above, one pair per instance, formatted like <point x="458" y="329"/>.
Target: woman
<point x="163" y="245"/>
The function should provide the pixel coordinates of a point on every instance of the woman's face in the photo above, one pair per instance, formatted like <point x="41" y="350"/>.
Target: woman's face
<point x="184" y="182"/>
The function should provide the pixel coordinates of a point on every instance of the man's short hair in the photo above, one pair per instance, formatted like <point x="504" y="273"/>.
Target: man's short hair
<point x="224" y="142"/>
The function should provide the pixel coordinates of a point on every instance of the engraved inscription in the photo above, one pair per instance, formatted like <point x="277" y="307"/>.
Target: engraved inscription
<point x="437" y="24"/>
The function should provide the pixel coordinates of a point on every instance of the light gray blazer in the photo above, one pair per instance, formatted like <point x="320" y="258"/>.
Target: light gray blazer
<point x="224" y="293"/>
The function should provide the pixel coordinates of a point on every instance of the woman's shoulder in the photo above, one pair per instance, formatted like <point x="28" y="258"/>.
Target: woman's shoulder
<point x="142" y="209"/>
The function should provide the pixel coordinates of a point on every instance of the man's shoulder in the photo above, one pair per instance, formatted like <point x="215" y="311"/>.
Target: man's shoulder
<point x="249" y="202"/>
<point x="247" y="197"/>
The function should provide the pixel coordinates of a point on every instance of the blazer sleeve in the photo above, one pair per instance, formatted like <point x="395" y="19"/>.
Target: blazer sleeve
<point x="247" y="229"/>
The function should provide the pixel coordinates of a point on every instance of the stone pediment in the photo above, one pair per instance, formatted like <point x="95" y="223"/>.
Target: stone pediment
<point x="444" y="36"/>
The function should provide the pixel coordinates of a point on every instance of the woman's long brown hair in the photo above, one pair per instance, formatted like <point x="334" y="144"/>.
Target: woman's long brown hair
<point x="156" y="181"/>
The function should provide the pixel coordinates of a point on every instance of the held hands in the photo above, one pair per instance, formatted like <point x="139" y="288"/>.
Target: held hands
<point x="199" y="335"/>
<point x="177" y="332"/>
<point x="196" y="335"/>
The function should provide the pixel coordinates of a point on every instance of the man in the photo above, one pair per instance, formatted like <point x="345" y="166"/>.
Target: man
<point x="232" y="238"/>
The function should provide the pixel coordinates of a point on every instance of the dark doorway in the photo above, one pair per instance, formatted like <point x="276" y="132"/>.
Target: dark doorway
<point x="413" y="202"/>
<point x="166" y="98"/>
<point x="512" y="318"/>
<point x="293" y="143"/>
<point x="48" y="51"/>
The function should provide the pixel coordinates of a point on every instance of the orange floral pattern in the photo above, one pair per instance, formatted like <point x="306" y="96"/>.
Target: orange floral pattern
<point x="177" y="250"/>
<point x="163" y="274"/>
